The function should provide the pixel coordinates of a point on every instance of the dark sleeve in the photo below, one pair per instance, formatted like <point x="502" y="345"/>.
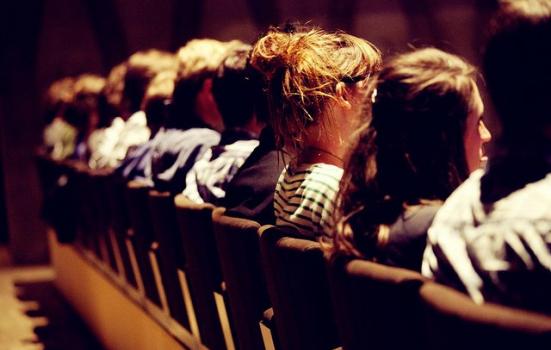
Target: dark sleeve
<point x="173" y="177"/>
<point x="408" y="238"/>
<point x="250" y="194"/>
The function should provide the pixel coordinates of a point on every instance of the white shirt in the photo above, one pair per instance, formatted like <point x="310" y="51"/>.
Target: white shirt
<point x="500" y="253"/>
<point x="112" y="144"/>
<point x="60" y="138"/>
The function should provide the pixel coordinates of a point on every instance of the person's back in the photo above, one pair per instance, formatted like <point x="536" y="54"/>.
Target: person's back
<point x="82" y="112"/>
<point x="492" y="236"/>
<point x="59" y="137"/>
<point x="194" y="120"/>
<point x="497" y="253"/>
<point x="250" y="194"/>
<point x="233" y="91"/>
<point x="102" y="140"/>
<point x="131" y="129"/>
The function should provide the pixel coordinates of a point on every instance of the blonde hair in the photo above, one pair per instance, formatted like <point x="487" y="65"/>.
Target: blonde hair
<point x="199" y="60"/>
<point x="84" y="102"/>
<point x="114" y="85"/>
<point x="160" y="88"/>
<point x="88" y="84"/>
<point x="302" y="70"/>
<point x="203" y="56"/>
<point x="150" y="62"/>
<point x="60" y="91"/>
<point x="143" y="66"/>
<point x="59" y="94"/>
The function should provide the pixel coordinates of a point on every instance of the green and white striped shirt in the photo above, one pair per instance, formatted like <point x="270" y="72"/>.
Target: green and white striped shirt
<point x="305" y="198"/>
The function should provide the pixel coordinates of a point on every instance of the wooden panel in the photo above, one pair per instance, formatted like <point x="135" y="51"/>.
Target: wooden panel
<point x="117" y="320"/>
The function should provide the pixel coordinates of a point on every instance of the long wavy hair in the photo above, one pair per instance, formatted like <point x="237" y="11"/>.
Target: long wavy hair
<point x="413" y="150"/>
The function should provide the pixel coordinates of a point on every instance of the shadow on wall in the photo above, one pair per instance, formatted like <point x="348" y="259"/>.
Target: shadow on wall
<point x="3" y="218"/>
<point x="60" y="327"/>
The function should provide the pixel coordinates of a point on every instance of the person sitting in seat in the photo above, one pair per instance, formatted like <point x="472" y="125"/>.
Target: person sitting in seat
<point x="131" y="129"/>
<point x="82" y="112"/>
<point x="492" y="236"/>
<point x="104" y="138"/>
<point x="317" y="83"/>
<point x="250" y="194"/>
<point x="59" y="137"/>
<point x="233" y="89"/>
<point x="137" y="164"/>
<point x="194" y="121"/>
<point x="425" y="137"/>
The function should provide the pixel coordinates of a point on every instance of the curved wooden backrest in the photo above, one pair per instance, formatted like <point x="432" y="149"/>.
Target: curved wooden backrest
<point x="298" y="288"/>
<point x="202" y="266"/>
<point x="120" y="223"/>
<point x="239" y="252"/>
<point x="166" y="232"/>
<point x="140" y="221"/>
<point x="58" y="200"/>
<point x="87" y="222"/>
<point x="454" y="321"/>
<point x="99" y="193"/>
<point x="376" y="306"/>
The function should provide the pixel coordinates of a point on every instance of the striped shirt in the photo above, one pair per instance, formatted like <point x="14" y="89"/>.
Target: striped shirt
<point x="500" y="252"/>
<point x="305" y="198"/>
<point x="211" y="174"/>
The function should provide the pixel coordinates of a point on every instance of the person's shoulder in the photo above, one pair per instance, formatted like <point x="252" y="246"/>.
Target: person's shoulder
<point x="327" y="173"/>
<point x="532" y="202"/>
<point x="200" y="131"/>
<point x="185" y="138"/>
<point x="243" y="144"/>
<point x="420" y="217"/>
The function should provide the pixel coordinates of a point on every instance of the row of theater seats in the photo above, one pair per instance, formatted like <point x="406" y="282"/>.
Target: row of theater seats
<point x="235" y="284"/>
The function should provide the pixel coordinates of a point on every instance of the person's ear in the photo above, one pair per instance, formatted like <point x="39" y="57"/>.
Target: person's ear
<point x="342" y="96"/>
<point x="207" y="85"/>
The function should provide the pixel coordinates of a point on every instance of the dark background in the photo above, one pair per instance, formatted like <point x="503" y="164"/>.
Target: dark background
<point x="46" y="40"/>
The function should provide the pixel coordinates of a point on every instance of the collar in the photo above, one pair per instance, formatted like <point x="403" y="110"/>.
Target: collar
<point x="232" y="135"/>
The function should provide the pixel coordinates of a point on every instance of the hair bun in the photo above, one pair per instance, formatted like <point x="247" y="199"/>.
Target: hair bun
<point x="272" y="52"/>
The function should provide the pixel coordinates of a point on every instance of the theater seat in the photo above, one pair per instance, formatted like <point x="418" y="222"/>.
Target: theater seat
<point x="98" y="201"/>
<point x="203" y="272"/>
<point x="298" y="288"/>
<point x="239" y="252"/>
<point x="58" y="202"/>
<point x="166" y="232"/>
<point x="377" y="306"/>
<point x="140" y="221"/>
<point x="120" y="228"/>
<point x="454" y="321"/>
<point x="79" y="177"/>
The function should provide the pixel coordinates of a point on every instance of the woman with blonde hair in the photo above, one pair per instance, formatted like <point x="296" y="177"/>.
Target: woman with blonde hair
<point x="317" y="83"/>
<point x="425" y="137"/>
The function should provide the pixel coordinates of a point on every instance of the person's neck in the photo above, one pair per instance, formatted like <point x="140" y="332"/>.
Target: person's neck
<point x="315" y="154"/>
<point x="324" y="146"/>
